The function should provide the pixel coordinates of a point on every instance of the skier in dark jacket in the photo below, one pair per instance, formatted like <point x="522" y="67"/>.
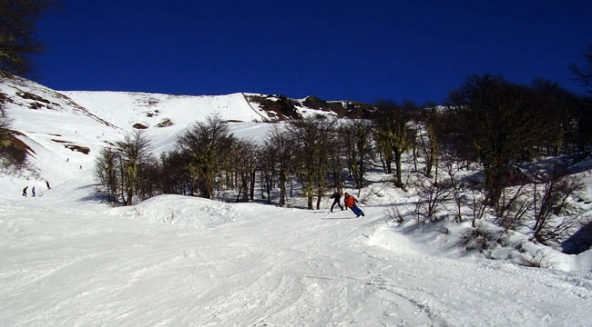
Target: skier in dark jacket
<point x="25" y="191"/>
<point x="336" y="197"/>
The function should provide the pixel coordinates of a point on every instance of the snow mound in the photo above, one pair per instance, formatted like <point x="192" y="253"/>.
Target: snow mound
<point x="189" y="212"/>
<point x="389" y="239"/>
<point x="584" y="261"/>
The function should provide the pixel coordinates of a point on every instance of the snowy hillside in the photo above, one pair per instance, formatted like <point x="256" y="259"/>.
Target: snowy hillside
<point x="167" y="116"/>
<point x="152" y="109"/>
<point x="70" y="128"/>
<point x="68" y="260"/>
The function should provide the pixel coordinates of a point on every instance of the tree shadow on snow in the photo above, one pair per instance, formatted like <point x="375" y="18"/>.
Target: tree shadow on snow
<point x="579" y="242"/>
<point x="93" y="194"/>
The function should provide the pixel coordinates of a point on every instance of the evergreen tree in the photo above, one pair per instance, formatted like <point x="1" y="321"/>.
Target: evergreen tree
<point x="18" y="39"/>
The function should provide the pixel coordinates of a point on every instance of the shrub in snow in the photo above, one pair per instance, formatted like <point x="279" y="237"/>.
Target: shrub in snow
<point x="165" y="123"/>
<point x="78" y="148"/>
<point x="483" y="238"/>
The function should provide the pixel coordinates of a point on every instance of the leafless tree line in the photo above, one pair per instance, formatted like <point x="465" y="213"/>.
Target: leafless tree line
<point x="317" y="154"/>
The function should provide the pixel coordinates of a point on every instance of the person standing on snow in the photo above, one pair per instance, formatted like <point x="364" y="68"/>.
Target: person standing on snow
<point x="350" y="202"/>
<point x="336" y="197"/>
<point x="25" y="191"/>
<point x="33" y="191"/>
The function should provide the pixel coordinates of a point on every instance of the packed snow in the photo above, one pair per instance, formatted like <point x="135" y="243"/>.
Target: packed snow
<point x="66" y="259"/>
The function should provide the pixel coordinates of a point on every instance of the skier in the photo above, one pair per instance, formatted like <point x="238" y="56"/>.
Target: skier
<point x="25" y="191"/>
<point x="350" y="202"/>
<point x="336" y="197"/>
<point x="33" y="191"/>
<point x="47" y="183"/>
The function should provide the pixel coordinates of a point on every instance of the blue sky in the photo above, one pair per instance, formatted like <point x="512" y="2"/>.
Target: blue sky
<point x="336" y="50"/>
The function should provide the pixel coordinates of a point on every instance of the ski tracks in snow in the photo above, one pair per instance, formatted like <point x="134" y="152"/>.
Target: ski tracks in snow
<point x="74" y="266"/>
<point x="312" y="279"/>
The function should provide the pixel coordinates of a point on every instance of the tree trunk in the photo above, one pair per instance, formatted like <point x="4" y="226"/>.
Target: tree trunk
<point x="283" y="181"/>
<point x="398" y="178"/>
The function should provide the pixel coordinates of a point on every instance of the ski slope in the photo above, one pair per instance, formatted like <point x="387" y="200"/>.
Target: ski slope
<point x="67" y="259"/>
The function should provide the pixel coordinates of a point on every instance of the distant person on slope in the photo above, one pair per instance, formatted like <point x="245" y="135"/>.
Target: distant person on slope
<point x="33" y="191"/>
<point x="25" y="191"/>
<point x="350" y="202"/>
<point x="336" y="197"/>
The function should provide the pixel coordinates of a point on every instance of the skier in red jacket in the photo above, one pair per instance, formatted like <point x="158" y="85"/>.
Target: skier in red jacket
<point x="350" y="202"/>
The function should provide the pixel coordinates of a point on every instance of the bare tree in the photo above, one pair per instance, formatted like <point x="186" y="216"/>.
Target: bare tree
<point x="356" y="139"/>
<point x="478" y="207"/>
<point x="584" y="73"/>
<point x="512" y="209"/>
<point x="558" y="187"/>
<point x="175" y="173"/>
<point x="267" y="162"/>
<point x="500" y="121"/>
<point x="106" y="172"/>
<point x="244" y="156"/>
<point x="431" y="198"/>
<point x="128" y="169"/>
<point x="206" y="144"/>
<point x="134" y="154"/>
<point x="430" y="146"/>
<point x="394" y="131"/>
<point x="312" y="137"/>
<point x="279" y="148"/>
<point x="584" y="114"/>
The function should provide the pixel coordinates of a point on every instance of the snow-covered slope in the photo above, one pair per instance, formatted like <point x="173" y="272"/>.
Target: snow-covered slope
<point x="70" y="128"/>
<point x="92" y="120"/>
<point x="152" y="109"/>
<point x="68" y="260"/>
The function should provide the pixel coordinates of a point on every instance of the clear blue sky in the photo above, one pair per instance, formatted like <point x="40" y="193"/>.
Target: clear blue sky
<point x="337" y="50"/>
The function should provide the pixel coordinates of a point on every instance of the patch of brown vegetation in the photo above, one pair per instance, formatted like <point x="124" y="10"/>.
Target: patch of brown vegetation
<point x="31" y="96"/>
<point x="59" y="141"/>
<point x="78" y="148"/>
<point x="165" y="123"/>
<point x="18" y="143"/>
<point x="35" y="105"/>
<point x="5" y="98"/>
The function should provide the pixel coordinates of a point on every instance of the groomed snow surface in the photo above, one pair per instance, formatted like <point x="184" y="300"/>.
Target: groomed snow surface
<point x="66" y="259"/>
